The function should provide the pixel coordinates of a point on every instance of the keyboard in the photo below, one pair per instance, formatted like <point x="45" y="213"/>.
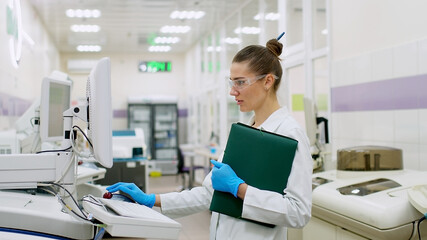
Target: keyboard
<point x="135" y="210"/>
<point x="126" y="219"/>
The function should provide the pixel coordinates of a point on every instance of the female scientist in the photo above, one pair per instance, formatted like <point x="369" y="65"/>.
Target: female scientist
<point x="255" y="76"/>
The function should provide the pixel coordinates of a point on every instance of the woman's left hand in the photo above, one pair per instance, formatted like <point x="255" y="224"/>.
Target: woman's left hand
<point x="224" y="179"/>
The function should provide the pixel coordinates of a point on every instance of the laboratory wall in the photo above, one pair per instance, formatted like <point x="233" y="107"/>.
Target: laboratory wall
<point x="379" y="76"/>
<point x="127" y="80"/>
<point x="19" y="87"/>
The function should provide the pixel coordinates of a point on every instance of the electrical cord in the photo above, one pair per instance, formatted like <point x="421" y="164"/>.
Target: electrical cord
<point x="84" y="134"/>
<point x="59" y="150"/>
<point x="71" y="196"/>
<point x="31" y="121"/>
<point x="75" y="150"/>
<point x="84" y="217"/>
<point x="94" y="201"/>
<point x="418" y="225"/>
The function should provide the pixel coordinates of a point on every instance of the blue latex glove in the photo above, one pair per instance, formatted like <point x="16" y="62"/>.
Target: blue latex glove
<point x="224" y="179"/>
<point x="135" y="192"/>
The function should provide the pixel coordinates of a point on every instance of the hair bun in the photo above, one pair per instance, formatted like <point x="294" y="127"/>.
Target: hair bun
<point x="275" y="47"/>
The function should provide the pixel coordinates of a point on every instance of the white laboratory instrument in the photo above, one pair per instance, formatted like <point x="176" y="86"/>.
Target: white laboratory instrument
<point x="128" y="142"/>
<point x="418" y="197"/>
<point x="372" y="204"/>
<point x="57" y="168"/>
<point x="40" y="213"/>
<point x="127" y="219"/>
<point x="366" y="198"/>
<point x="9" y="143"/>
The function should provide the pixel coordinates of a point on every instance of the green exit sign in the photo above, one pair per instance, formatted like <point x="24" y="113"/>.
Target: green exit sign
<point x="154" y="66"/>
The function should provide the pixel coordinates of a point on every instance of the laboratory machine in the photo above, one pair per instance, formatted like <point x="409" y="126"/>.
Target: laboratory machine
<point x="365" y="198"/>
<point x="46" y="193"/>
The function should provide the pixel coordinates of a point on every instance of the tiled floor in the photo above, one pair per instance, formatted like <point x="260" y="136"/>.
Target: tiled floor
<point x="194" y="227"/>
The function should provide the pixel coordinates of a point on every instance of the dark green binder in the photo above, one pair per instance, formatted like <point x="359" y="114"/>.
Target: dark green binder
<point x="262" y="159"/>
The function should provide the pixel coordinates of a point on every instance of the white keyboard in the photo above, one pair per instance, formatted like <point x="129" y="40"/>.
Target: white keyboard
<point x="134" y="210"/>
<point x="125" y="219"/>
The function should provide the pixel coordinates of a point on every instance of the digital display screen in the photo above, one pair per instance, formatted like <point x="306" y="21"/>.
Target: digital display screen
<point x="59" y="101"/>
<point x="154" y="66"/>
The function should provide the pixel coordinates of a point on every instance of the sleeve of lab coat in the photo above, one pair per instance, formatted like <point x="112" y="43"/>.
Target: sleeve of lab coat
<point x="180" y="204"/>
<point x="293" y="208"/>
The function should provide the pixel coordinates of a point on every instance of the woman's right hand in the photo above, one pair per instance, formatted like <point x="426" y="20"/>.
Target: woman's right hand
<point x="134" y="192"/>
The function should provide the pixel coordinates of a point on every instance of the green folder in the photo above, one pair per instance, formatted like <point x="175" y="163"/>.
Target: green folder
<point x="262" y="159"/>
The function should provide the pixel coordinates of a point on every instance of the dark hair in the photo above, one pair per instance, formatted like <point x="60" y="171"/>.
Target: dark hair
<point x="263" y="60"/>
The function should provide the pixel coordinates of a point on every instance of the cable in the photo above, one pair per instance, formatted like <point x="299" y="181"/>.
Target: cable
<point x="100" y="234"/>
<point x="69" y="208"/>
<point x="94" y="201"/>
<point x="65" y="204"/>
<point x="31" y="121"/>
<point x="75" y="150"/>
<point x="418" y="225"/>
<point x="59" y="150"/>
<point x="68" y="192"/>
<point x="84" y="134"/>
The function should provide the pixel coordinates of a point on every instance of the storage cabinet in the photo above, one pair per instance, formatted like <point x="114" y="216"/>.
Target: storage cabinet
<point x="322" y="230"/>
<point x="160" y="124"/>
<point x="127" y="171"/>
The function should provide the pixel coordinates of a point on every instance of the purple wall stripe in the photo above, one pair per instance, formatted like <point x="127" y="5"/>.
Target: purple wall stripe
<point x="183" y="112"/>
<point x="120" y="113"/>
<point x="13" y="106"/>
<point x="392" y="94"/>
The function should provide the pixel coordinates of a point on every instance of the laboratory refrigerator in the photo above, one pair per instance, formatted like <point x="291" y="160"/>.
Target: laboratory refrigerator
<point x="160" y="124"/>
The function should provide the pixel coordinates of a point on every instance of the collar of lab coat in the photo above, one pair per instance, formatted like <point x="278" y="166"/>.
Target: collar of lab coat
<point x="273" y="122"/>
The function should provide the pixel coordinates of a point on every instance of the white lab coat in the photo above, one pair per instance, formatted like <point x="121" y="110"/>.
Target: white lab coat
<point x="290" y="209"/>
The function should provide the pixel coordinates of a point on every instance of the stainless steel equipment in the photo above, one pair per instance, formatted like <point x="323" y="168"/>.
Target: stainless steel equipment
<point x="369" y="158"/>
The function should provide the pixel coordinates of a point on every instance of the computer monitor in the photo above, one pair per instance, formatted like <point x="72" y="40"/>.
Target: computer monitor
<point x="27" y="170"/>
<point x="98" y="95"/>
<point x="55" y="99"/>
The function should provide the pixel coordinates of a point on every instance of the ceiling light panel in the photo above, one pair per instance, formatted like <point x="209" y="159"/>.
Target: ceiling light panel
<point x="187" y="14"/>
<point x="247" y="30"/>
<point x="85" y="28"/>
<point x="230" y="40"/>
<point x="168" y="40"/>
<point x="83" y="13"/>
<point x="159" y="48"/>
<point x="175" y="29"/>
<point x="88" y="48"/>
<point x="268" y="16"/>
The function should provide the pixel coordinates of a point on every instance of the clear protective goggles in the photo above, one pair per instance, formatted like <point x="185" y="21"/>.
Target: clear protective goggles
<point x="242" y="83"/>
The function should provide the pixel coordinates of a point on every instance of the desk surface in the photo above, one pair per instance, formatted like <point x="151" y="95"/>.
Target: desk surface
<point x="40" y="213"/>
<point x="207" y="153"/>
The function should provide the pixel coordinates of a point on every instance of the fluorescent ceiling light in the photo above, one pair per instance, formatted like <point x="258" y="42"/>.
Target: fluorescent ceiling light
<point x="159" y="48"/>
<point x="211" y="49"/>
<point x="163" y="40"/>
<point x="85" y="28"/>
<point x="268" y="16"/>
<point x="83" y="13"/>
<point x="187" y="14"/>
<point x="233" y="40"/>
<point x="89" y="48"/>
<point x="325" y="31"/>
<point x="175" y="29"/>
<point x="247" y="30"/>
